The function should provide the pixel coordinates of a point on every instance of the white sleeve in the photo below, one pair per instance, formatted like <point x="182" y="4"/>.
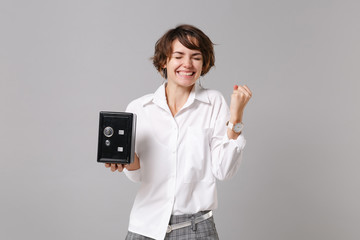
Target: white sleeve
<point x="134" y="176"/>
<point x="226" y="153"/>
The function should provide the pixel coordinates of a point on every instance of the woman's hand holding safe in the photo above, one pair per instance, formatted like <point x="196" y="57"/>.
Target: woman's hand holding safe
<point x="120" y="167"/>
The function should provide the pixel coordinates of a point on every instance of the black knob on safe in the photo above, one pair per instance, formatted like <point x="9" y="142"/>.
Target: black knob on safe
<point x="108" y="131"/>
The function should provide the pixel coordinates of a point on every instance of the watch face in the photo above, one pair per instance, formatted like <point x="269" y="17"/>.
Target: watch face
<point x="238" y="127"/>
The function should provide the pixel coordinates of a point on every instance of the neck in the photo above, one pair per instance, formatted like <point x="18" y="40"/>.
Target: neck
<point x="176" y="96"/>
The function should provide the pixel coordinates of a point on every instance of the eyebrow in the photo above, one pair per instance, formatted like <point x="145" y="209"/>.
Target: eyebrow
<point x="194" y="54"/>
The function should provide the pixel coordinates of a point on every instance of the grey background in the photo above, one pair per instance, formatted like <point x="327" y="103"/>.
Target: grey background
<point x="61" y="62"/>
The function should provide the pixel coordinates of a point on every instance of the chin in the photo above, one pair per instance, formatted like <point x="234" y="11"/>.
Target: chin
<point x="186" y="83"/>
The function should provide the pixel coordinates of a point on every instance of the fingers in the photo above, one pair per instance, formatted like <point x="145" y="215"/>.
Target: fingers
<point x="243" y="89"/>
<point x="120" y="167"/>
<point x="114" y="166"/>
<point x="248" y="90"/>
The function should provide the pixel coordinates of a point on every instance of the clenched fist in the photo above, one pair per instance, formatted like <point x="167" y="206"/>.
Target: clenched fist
<point x="239" y="98"/>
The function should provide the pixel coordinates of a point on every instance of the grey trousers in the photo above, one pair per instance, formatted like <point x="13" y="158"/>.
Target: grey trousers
<point x="204" y="230"/>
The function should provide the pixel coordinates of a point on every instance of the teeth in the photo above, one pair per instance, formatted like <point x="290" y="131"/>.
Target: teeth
<point x="186" y="73"/>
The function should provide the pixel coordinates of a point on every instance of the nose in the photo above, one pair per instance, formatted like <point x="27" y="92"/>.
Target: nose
<point x="187" y="63"/>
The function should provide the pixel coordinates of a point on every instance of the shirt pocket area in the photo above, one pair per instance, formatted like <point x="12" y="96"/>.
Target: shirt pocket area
<point x="197" y="155"/>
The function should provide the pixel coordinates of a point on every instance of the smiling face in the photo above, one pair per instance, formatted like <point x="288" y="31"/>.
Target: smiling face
<point x="184" y="66"/>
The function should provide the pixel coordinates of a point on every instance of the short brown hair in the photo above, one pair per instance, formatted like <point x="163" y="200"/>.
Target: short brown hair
<point x="189" y="36"/>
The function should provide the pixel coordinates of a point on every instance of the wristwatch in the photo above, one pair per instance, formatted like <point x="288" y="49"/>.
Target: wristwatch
<point x="237" y="127"/>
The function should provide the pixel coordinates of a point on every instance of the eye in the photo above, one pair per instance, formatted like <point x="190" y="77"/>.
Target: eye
<point x="177" y="56"/>
<point x="197" y="58"/>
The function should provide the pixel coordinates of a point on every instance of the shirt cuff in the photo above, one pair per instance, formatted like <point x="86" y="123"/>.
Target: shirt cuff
<point x="133" y="175"/>
<point x="240" y="141"/>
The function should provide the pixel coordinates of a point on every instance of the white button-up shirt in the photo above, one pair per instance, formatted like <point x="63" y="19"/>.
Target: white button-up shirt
<point x="180" y="156"/>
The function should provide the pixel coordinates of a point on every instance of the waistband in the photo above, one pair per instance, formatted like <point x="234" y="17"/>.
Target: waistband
<point x="181" y="221"/>
<point x="185" y="217"/>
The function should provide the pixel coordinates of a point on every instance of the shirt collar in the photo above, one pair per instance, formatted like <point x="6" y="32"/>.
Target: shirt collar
<point x="201" y="94"/>
<point x="159" y="97"/>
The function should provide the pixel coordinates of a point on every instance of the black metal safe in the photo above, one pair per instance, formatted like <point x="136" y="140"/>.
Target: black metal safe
<point x="116" y="142"/>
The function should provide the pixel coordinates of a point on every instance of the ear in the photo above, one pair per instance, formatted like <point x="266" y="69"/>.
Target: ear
<point x="166" y="62"/>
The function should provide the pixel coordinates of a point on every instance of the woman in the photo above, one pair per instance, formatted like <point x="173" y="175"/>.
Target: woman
<point x="186" y="139"/>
